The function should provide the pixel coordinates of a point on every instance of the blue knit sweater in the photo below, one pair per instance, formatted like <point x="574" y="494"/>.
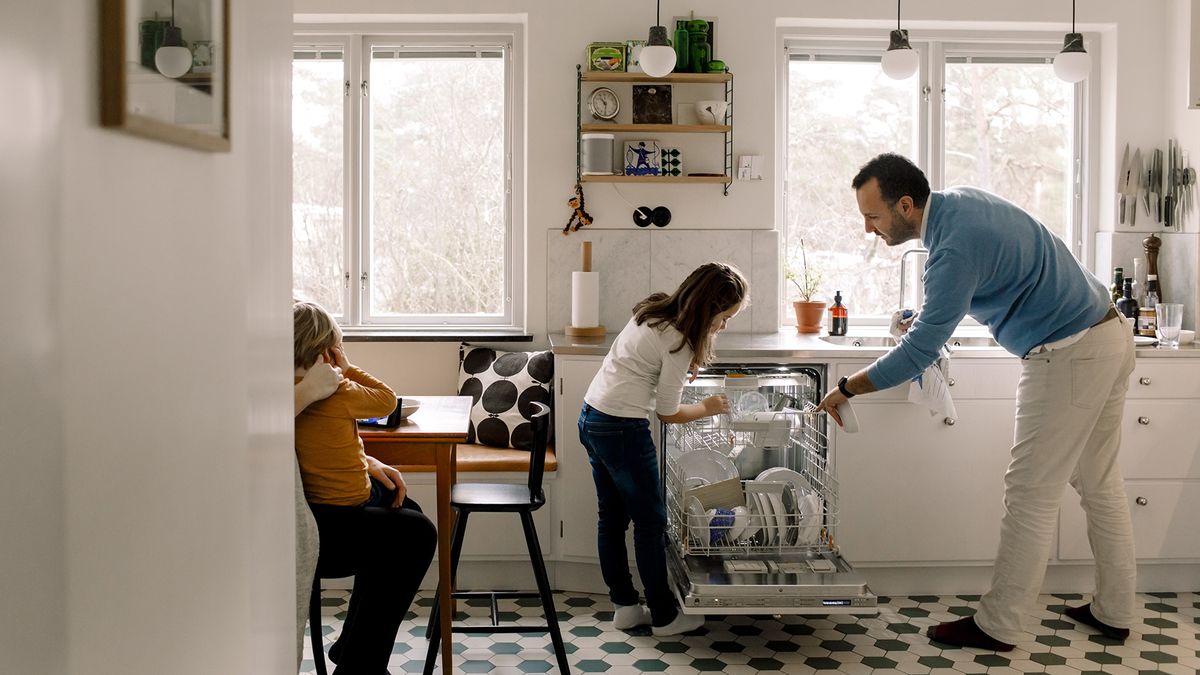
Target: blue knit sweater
<point x="991" y="260"/>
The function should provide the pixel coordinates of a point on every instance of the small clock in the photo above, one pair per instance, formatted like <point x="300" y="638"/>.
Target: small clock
<point x="604" y="104"/>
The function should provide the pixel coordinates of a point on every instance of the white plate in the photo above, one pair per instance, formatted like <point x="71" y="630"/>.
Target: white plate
<point x="783" y="475"/>
<point x="1143" y="340"/>
<point x="706" y="464"/>
<point x="781" y="529"/>
<point x="741" y="524"/>
<point x="697" y="521"/>
<point x="809" y="530"/>
<point x="770" y="529"/>
<point x="751" y="527"/>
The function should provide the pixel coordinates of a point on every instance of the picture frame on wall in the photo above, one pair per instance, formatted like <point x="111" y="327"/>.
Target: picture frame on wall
<point x="164" y="70"/>
<point x="651" y="104"/>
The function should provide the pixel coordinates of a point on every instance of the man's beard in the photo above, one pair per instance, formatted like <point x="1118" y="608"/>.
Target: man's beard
<point x="902" y="229"/>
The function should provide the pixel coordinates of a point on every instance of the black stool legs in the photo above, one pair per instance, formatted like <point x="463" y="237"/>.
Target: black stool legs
<point x="543" y="582"/>
<point x="434" y="632"/>
<point x="314" y="622"/>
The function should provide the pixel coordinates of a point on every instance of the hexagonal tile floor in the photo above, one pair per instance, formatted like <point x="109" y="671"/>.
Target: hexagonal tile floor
<point x="1166" y="640"/>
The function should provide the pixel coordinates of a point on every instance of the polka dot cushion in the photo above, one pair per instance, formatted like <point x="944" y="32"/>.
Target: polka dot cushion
<point x="503" y="386"/>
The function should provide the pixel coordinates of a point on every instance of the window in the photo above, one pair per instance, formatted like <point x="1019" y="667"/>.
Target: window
<point x="402" y="182"/>
<point x="1004" y="123"/>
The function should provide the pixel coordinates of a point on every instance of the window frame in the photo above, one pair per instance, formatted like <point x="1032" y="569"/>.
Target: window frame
<point x="359" y="40"/>
<point x="934" y="49"/>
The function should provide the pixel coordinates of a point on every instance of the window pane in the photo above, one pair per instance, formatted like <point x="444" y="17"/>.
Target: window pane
<point x="1009" y="130"/>
<point x="318" y="191"/>
<point x="841" y="114"/>
<point x="438" y="229"/>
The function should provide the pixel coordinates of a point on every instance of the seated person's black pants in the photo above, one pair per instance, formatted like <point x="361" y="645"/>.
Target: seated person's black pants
<point x="388" y="551"/>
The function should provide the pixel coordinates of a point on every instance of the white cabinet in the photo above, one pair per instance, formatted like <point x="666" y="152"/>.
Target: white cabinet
<point x="1160" y="460"/>
<point x="916" y="488"/>
<point x="576" y="502"/>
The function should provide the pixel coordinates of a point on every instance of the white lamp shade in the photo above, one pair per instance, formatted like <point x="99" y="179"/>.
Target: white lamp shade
<point x="657" y="60"/>
<point x="900" y="64"/>
<point x="173" y="61"/>
<point x="1072" y="66"/>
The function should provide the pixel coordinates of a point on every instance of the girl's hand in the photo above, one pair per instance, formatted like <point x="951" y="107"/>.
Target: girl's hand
<point x="716" y="405"/>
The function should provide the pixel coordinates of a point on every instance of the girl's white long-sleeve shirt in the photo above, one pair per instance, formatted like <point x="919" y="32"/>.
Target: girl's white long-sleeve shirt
<point x="640" y="375"/>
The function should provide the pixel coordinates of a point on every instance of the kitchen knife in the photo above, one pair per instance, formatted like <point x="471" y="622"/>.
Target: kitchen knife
<point x="1145" y="178"/>
<point x="1122" y="183"/>
<point x="1133" y="184"/>
<point x="1156" y="184"/>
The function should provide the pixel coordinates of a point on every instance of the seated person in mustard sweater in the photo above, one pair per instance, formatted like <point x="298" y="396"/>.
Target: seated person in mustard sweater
<point x="367" y="529"/>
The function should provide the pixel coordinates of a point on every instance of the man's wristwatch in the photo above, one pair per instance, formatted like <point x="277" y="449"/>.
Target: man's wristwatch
<point x="842" y="388"/>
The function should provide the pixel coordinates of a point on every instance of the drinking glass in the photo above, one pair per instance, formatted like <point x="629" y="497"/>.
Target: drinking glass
<point x="1170" y="319"/>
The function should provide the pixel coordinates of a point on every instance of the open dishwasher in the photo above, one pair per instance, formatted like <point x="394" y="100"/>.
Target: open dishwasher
<point x="752" y="505"/>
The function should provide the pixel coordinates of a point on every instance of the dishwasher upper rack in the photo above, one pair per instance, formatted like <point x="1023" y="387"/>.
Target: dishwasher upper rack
<point x="811" y="530"/>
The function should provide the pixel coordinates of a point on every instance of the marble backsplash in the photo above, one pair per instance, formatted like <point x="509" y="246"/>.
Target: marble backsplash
<point x="1178" y="262"/>
<point x="635" y="263"/>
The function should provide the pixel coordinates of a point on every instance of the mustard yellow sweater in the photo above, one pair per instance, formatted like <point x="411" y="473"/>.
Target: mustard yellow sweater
<point x="333" y="464"/>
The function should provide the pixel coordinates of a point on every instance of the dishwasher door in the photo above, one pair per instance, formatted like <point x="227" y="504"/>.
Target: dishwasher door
<point x="752" y="508"/>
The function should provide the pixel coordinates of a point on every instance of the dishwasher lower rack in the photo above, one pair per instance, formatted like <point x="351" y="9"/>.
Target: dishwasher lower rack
<point x="793" y="509"/>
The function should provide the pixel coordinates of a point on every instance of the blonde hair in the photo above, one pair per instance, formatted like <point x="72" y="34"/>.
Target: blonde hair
<point x="709" y="290"/>
<point x="314" y="332"/>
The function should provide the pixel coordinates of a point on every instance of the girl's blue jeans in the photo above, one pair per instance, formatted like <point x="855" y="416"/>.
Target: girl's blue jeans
<point x="625" y="469"/>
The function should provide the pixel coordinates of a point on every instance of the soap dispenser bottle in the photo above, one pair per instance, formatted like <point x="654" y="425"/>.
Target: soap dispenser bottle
<point x="839" y="317"/>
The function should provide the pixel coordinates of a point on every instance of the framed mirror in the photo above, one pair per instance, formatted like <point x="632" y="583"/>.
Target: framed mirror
<point x="165" y="70"/>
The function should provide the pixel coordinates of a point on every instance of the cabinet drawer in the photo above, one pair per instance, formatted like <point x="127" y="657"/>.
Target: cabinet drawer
<point x="1165" y="378"/>
<point x="1164" y="527"/>
<point x="971" y="380"/>
<point x="1158" y="439"/>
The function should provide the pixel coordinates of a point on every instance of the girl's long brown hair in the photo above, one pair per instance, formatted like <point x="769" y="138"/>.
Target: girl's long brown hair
<point x="710" y="289"/>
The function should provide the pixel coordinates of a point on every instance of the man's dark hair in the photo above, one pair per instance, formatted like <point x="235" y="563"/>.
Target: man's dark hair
<point x="897" y="177"/>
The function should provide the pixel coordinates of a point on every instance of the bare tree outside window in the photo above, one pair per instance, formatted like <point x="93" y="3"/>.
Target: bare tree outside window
<point x="437" y="185"/>
<point x="1008" y="131"/>
<point x="841" y="114"/>
<point x="318" y="180"/>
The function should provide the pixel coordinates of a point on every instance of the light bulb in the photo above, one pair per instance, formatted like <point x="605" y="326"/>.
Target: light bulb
<point x="900" y="64"/>
<point x="900" y="60"/>
<point x="1073" y="63"/>
<point x="657" y="57"/>
<point x="173" y="61"/>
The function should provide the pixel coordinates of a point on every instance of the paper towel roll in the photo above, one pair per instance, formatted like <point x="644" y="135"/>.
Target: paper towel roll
<point x="585" y="299"/>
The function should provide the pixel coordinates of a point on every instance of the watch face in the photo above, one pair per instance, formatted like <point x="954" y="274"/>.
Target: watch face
<point x="604" y="103"/>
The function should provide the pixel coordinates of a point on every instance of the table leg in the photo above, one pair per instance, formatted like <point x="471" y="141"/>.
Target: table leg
<point x="445" y="518"/>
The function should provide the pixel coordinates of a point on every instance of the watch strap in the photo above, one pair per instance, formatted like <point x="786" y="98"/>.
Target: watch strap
<point x="841" y="384"/>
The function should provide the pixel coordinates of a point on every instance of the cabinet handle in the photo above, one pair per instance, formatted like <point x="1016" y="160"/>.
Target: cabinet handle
<point x="1142" y="501"/>
<point x="949" y="421"/>
<point x="1144" y="381"/>
<point x="1143" y="420"/>
<point x="950" y="382"/>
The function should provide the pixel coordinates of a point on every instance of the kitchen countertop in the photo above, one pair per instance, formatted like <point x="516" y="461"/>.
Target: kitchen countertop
<point x="795" y="346"/>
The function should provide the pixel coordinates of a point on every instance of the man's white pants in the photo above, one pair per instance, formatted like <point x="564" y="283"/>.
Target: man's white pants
<point x="1068" y="429"/>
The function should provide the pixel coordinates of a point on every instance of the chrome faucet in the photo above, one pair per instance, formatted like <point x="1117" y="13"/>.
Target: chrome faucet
<point x="904" y="273"/>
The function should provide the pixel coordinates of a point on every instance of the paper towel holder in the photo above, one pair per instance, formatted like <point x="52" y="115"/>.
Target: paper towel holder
<point x="585" y="331"/>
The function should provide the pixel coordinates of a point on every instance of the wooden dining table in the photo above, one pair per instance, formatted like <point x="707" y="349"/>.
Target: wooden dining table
<point x="428" y="439"/>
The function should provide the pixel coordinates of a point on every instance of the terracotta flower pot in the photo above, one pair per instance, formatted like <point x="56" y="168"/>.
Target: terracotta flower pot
<point x="809" y="314"/>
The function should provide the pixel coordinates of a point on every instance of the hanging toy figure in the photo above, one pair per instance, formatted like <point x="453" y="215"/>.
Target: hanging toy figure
<point x="579" y="217"/>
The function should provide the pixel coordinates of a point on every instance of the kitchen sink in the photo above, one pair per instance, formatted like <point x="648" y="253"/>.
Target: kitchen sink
<point x="886" y="341"/>
<point x="860" y="340"/>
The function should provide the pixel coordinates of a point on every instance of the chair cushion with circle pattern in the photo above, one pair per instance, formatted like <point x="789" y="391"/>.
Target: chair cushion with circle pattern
<point x="502" y="386"/>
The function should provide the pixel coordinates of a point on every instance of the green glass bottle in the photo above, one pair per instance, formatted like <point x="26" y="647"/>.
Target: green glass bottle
<point x="682" y="51"/>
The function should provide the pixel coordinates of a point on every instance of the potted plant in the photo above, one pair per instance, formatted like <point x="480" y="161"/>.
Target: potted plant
<point x="807" y="281"/>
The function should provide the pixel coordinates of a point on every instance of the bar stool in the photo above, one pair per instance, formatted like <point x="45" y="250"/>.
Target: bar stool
<point x="468" y="498"/>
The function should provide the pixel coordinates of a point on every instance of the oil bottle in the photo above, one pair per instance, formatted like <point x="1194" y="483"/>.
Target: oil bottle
<point x="839" y="318"/>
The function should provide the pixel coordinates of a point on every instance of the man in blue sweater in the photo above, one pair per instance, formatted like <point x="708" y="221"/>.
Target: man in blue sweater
<point x="991" y="260"/>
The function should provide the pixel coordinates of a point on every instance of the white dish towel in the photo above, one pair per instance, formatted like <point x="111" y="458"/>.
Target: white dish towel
<point x="931" y="388"/>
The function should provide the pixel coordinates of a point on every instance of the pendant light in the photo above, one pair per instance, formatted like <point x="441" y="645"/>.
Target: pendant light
<point x="172" y="58"/>
<point x="900" y="60"/>
<point x="657" y="57"/>
<point x="1073" y="63"/>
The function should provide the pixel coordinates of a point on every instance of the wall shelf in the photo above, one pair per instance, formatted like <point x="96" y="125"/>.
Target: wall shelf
<point x="658" y="128"/>
<point x="642" y="131"/>
<point x="655" y="179"/>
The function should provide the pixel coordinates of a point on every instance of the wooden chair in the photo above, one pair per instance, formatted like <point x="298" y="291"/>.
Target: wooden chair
<point x="468" y="498"/>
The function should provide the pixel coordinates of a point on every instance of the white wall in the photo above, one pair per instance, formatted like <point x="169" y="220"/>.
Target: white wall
<point x="1133" y="56"/>
<point x="146" y="497"/>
